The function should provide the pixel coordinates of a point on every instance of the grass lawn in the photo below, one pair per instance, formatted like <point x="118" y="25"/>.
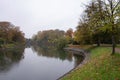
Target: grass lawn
<point x="101" y="66"/>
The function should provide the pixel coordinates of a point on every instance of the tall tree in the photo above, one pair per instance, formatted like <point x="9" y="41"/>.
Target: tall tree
<point x="112" y="19"/>
<point x="95" y="16"/>
<point x="102" y="19"/>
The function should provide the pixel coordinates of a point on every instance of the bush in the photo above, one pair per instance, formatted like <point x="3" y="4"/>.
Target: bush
<point x="61" y="43"/>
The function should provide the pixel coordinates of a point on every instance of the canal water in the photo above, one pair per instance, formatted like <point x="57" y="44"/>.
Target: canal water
<point x="35" y="63"/>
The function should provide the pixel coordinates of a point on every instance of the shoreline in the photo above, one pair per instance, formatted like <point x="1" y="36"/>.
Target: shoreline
<point x="77" y="51"/>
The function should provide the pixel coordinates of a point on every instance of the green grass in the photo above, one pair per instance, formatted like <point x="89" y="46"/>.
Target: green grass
<point x="101" y="66"/>
<point x="8" y="45"/>
<point x="118" y="46"/>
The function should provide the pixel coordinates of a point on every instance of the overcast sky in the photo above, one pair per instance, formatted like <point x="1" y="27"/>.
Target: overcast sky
<point x="37" y="15"/>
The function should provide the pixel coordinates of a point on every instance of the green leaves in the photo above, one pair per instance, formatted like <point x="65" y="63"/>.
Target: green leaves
<point x="101" y="18"/>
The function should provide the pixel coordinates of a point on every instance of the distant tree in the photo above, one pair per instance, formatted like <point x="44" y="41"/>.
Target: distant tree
<point x="10" y="33"/>
<point x="49" y="37"/>
<point x="69" y="32"/>
<point x="69" y="35"/>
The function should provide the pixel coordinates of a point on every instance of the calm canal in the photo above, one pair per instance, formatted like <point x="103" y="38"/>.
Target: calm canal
<point x="35" y="63"/>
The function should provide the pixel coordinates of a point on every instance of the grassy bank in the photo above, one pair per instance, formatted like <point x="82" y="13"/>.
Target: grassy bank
<point x="101" y="66"/>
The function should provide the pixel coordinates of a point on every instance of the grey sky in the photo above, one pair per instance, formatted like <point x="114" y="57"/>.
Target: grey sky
<point x="37" y="15"/>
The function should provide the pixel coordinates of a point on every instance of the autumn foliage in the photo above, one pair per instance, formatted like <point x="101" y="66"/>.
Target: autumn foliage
<point x="10" y="34"/>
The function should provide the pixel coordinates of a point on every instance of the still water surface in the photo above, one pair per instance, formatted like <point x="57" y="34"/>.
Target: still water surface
<point x="36" y="63"/>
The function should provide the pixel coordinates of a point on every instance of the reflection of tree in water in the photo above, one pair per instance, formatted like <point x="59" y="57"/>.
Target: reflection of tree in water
<point x="78" y="59"/>
<point x="8" y="58"/>
<point x="52" y="53"/>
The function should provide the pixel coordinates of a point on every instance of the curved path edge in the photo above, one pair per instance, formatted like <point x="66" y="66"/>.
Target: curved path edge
<point x="77" y="51"/>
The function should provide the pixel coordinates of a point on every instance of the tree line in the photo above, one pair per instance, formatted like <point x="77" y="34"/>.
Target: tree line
<point x="100" y="23"/>
<point x="10" y="34"/>
<point x="53" y="38"/>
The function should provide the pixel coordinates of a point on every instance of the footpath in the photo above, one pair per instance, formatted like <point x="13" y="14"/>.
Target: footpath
<point x="117" y="50"/>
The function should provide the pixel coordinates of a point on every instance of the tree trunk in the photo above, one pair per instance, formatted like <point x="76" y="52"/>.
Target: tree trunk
<point x="113" y="44"/>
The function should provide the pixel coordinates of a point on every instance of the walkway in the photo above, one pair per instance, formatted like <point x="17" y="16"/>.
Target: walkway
<point x="117" y="50"/>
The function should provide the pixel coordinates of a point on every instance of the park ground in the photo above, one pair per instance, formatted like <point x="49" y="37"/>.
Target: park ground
<point x="101" y="65"/>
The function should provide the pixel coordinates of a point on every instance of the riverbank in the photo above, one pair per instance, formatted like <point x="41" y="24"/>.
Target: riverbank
<point x="11" y="46"/>
<point x="101" y="66"/>
<point x="76" y="51"/>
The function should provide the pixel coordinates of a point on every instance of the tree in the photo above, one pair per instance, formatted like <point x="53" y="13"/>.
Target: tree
<point x="82" y="35"/>
<point x="112" y="19"/>
<point x="69" y="35"/>
<point x="101" y="20"/>
<point x="91" y="22"/>
<point x="69" y="32"/>
<point x="10" y="33"/>
<point x="95" y="15"/>
<point x="51" y="38"/>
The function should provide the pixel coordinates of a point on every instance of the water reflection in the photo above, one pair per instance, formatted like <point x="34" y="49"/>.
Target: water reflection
<point x="78" y="59"/>
<point x="36" y="63"/>
<point x="8" y="58"/>
<point x="58" y="54"/>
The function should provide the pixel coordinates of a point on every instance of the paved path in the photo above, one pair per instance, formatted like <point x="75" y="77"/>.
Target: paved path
<point x="78" y="51"/>
<point x="117" y="50"/>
